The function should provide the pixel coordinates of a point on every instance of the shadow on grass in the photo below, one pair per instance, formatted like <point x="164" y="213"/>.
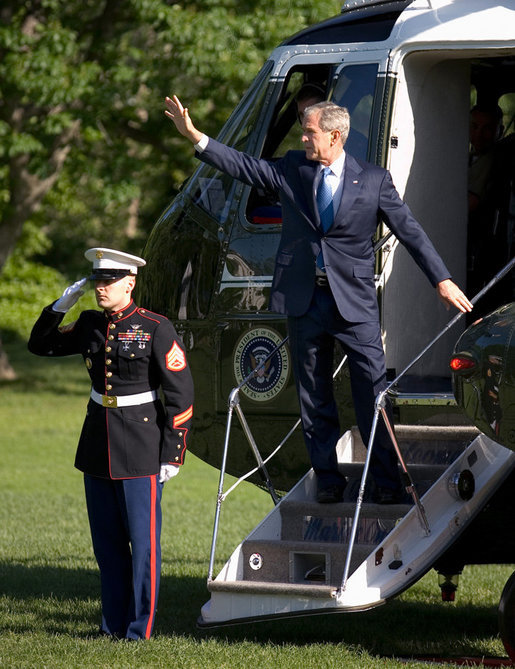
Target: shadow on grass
<point x="398" y="628"/>
<point x="63" y="600"/>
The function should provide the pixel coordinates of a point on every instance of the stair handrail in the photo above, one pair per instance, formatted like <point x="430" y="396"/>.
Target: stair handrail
<point x="379" y="408"/>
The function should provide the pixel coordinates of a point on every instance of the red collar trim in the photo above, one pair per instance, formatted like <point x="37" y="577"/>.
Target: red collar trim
<point x="117" y="316"/>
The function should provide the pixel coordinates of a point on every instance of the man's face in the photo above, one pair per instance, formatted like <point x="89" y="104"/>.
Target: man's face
<point x="114" y="294"/>
<point x="304" y="104"/>
<point x="320" y="145"/>
<point x="483" y="131"/>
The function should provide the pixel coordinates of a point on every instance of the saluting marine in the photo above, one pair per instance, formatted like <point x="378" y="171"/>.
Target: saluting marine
<point x="131" y="442"/>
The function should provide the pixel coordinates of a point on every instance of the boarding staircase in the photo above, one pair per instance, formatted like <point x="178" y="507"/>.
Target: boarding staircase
<point x="304" y="548"/>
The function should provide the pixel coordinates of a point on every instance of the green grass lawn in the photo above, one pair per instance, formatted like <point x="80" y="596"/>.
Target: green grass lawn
<point x="49" y="586"/>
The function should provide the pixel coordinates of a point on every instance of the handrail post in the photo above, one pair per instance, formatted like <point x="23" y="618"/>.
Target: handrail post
<point x="233" y="401"/>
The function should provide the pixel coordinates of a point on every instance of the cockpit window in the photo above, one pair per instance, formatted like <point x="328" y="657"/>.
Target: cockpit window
<point x="211" y="189"/>
<point x="352" y="86"/>
<point x="355" y="89"/>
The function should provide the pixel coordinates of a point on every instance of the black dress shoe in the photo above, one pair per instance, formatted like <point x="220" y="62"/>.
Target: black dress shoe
<point x="331" y="494"/>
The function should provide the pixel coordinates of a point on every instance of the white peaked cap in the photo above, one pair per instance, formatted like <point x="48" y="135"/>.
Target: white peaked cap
<point x="111" y="264"/>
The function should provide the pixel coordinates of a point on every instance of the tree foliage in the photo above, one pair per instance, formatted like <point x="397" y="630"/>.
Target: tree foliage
<point x="88" y="156"/>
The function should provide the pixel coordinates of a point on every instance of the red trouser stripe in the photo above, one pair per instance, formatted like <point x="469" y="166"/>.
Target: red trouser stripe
<point x="153" y="483"/>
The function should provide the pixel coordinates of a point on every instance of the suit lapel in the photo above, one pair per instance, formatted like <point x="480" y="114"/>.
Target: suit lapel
<point x="351" y="187"/>
<point x="352" y="184"/>
<point x="307" y="173"/>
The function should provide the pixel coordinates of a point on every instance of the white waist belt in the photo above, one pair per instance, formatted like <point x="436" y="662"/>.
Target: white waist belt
<point x="114" y="401"/>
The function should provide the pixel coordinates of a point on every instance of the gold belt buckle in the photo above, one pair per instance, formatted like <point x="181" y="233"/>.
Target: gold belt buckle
<point x="109" y="401"/>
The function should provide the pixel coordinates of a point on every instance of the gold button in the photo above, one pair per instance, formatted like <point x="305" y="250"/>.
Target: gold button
<point x="145" y="420"/>
<point x="109" y="374"/>
<point x="108" y="361"/>
<point x="180" y="434"/>
<point x="142" y="311"/>
<point x="119" y="315"/>
<point x="179" y="446"/>
<point x="111" y="337"/>
<point x="109" y="386"/>
<point x="132" y="355"/>
<point x="108" y="349"/>
<point x="112" y="326"/>
<point x="176" y="458"/>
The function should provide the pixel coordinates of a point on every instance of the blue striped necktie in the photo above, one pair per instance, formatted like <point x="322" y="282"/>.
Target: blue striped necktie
<point x="325" y="208"/>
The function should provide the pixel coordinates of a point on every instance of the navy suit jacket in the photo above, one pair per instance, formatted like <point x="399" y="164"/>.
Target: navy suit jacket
<point x="368" y="195"/>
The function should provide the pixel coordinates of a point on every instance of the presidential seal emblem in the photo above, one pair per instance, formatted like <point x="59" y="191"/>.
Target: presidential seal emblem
<point x="268" y="379"/>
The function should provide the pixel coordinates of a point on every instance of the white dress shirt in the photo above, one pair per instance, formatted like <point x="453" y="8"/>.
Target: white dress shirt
<point x="334" y="179"/>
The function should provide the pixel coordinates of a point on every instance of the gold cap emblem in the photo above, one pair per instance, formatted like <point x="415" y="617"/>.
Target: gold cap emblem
<point x="99" y="254"/>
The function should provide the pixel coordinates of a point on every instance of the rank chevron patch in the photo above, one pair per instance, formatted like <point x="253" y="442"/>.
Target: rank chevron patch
<point x="175" y="358"/>
<point x="183" y="417"/>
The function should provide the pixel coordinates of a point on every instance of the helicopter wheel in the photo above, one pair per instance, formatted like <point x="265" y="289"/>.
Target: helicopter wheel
<point x="506" y="616"/>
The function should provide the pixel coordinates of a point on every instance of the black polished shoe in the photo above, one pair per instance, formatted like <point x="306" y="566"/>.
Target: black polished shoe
<point x="331" y="494"/>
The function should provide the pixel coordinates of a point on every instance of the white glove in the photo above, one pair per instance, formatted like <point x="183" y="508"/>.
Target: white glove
<point x="69" y="297"/>
<point x="167" y="472"/>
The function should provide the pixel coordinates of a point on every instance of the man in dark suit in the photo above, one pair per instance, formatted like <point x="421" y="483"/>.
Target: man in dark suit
<point x="324" y="276"/>
<point x="131" y="442"/>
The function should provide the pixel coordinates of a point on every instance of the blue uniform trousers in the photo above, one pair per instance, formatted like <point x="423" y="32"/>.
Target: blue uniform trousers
<point x="125" y="521"/>
<point x="311" y="340"/>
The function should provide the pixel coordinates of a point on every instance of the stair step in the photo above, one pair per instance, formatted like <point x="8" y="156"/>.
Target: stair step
<point x="300" y="562"/>
<point x="417" y="471"/>
<point x="431" y="444"/>
<point x="273" y="589"/>
<point x="332" y="523"/>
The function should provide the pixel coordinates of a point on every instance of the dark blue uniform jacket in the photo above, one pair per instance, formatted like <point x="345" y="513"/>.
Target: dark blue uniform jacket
<point x="131" y="351"/>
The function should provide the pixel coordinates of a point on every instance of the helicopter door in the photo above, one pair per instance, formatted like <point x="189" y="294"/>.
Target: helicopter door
<point x="430" y="164"/>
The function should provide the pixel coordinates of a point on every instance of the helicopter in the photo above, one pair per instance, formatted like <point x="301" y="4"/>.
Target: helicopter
<point x="409" y="73"/>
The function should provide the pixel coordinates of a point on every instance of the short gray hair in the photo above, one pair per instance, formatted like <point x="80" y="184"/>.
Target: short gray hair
<point x="331" y="117"/>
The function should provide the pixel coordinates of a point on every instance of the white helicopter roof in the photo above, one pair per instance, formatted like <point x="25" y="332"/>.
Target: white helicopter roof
<point x="420" y="25"/>
<point x="455" y="23"/>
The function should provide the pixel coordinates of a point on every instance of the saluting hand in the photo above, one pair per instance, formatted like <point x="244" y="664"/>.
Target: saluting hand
<point x="451" y="295"/>
<point x="180" y="116"/>
<point x="70" y="296"/>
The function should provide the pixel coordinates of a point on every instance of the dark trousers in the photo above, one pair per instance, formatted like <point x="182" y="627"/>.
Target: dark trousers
<point x="311" y="339"/>
<point x="125" y="522"/>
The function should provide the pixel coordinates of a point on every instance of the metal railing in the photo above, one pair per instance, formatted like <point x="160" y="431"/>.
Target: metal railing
<point x="380" y="410"/>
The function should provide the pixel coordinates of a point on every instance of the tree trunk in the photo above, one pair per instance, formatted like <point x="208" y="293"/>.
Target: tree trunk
<point x="7" y="372"/>
<point x="27" y="191"/>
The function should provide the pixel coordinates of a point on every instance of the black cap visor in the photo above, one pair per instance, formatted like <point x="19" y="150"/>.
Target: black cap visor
<point x="106" y="274"/>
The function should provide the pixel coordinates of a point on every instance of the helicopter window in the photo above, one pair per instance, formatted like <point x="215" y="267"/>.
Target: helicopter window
<point x="214" y="189"/>
<point x="354" y="88"/>
<point x="285" y="133"/>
